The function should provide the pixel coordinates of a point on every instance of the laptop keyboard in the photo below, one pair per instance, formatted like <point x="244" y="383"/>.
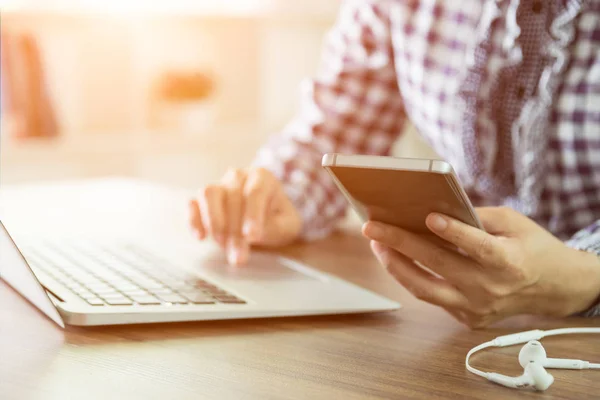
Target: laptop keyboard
<point x="123" y="276"/>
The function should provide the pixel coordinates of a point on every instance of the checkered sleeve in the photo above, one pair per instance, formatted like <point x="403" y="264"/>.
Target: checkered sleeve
<point x="588" y="239"/>
<point x="352" y="106"/>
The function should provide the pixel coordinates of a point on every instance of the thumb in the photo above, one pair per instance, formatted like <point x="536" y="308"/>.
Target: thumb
<point x="500" y="220"/>
<point x="283" y="223"/>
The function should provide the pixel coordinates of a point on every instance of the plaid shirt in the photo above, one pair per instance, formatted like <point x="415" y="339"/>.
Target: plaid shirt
<point x="507" y="91"/>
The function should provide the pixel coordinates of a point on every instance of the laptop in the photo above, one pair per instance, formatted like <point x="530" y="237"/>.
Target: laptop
<point x="118" y="251"/>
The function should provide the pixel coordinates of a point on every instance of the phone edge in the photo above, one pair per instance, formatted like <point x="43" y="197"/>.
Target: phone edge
<point x="377" y="162"/>
<point x="356" y="207"/>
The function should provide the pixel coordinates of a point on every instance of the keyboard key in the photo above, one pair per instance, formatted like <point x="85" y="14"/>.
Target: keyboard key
<point x="145" y="300"/>
<point x="76" y="287"/>
<point x="86" y="295"/>
<point x="163" y="290"/>
<point x="87" y="279"/>
<point x="198" y="298"/>
<point x="60" y="276"/>
<point x="68" y="268"/>
<point x="184" y="289"/>
<point x="103" y="272"/>
<point x="154" y="270"/>
<point x="232" y="301"/>
<point x="70" y="282"/>
<point x="115" y="295"/>
<point x="106" y="291"/>
<point x="136" y="292"/>
<point x="98" y="285"/>
<point x="197" y="282"/>
<point x="151" y="285"/>
<point x="119" y="302"/>
<point x="81" y="290"/>
<point x="176" y="283"/>
<point x="117" y="282"/>
<point x="173" y="298"/>
<point x="132" y="274"/>
<point x="95" y="301"/>
<point x="126" y="286"/>
<point x="218" y="292"/>
<point x="229" y="300"/>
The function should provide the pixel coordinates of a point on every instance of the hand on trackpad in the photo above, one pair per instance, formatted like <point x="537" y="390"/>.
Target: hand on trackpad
<point x="261" y="266"/>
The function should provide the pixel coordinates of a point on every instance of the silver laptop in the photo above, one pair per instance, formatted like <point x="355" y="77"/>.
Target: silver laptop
<point x="77" y="276"/>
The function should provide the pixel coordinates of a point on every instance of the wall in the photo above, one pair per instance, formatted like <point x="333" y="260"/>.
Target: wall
<point x="100" y="69"/>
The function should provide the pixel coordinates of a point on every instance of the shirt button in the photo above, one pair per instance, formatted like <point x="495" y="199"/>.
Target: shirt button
<point x="537" y="6"/>
<point x="520" y="92"/>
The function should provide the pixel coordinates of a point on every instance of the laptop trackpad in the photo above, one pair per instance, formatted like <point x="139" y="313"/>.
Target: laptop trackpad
<point x="261" y="266"/>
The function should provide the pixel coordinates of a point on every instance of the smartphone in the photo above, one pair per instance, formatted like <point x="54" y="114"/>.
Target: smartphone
<point x="400" y="191"/>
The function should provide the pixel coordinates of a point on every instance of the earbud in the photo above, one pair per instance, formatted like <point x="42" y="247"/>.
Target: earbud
<point x="534" y="351"/>
<point x="534" y="376"/>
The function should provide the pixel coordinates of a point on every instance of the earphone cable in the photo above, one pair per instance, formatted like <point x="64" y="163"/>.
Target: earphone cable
<point x="473" y="351"/>
<point x="566" y="331"/>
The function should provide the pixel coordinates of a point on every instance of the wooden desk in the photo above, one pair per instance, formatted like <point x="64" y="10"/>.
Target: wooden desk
<point x="416" y="352"/>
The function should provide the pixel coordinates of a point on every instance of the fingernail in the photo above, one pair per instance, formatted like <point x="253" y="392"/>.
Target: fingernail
<point x="237" y="256"/>
<point x="233" y="256"/>
<point x="250" y="229"/>
<point x="373" y="230"/>
<point x="437" y="223"/>
<point x="220" y="238"/>
<point x="247" y="228"/>
<point x="237" y="251"/>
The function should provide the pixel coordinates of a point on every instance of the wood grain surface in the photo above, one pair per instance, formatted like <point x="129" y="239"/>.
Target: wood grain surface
<point x="416" y="352"/>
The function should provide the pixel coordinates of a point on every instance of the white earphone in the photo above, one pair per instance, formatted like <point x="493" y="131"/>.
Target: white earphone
<point x="532" y="358"/>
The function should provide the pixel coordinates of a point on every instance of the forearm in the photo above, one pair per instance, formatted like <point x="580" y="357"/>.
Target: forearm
<point x="353" y="105"/>
<point x="582" y="285"/>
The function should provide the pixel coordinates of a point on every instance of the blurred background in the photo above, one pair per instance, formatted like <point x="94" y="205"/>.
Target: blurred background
<point x="169" y="90"/>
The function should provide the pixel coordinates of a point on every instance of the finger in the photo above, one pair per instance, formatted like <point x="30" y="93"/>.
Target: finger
<point x="447" y="263"/>
<point x="234" y="202"/>
<point x="285" y="225"/>
<point x="421" y="284"/>
<point x="475" y="321"/>
<point x="481" y="246"/>
<point x="196" y="219"/>
<point x="237" y="248"/>
<point x="497" y="220"/>
<point x="212" y="209"/>
<point x="437" y="241"/>
<point x="467" y="318"/>
<point x="459" y="315"/>
<point x="258" y="191"/>
<point x="282" y="230"/>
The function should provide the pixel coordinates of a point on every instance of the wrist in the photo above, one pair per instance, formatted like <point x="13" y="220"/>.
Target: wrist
<point x="585" y="284"/>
